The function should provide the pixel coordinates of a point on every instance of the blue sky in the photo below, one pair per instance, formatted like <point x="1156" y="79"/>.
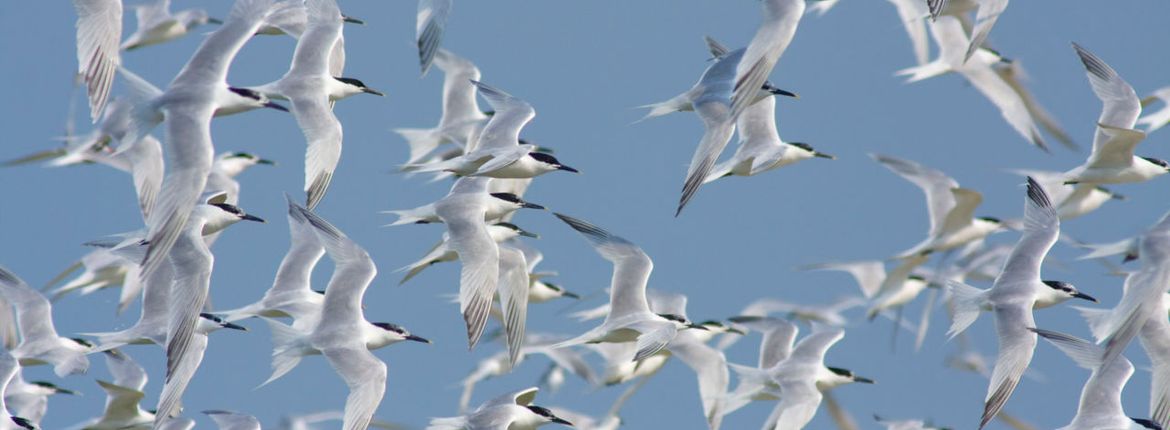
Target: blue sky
<point x="584" y="65"/>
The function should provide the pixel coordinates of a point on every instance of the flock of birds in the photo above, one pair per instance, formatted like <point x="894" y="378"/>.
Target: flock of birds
<point x="190" y="199"/>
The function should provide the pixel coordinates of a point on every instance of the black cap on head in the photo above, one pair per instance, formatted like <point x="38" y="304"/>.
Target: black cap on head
<point x="1158" y="161"/>
<point x="508" y="197"/>
<point x="352" y="81"/>
<point x="244" y="92"/>
<point x="991" y="219"/>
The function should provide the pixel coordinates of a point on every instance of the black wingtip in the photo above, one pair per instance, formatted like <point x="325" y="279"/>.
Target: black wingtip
<point x="1037" y="195"/>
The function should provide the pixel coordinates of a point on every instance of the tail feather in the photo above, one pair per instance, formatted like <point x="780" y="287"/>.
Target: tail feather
<point x="925" y="71"/>
<point x="968" y="302"/>
<point x="287" y="349"/>
<point x="676" y="104"/>
<point x="422" y="141"/>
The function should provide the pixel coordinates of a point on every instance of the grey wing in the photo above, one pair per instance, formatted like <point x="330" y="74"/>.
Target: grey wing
<point x="710" y="366"/>
<point x="989" y="11"/>
<point x="8" y="335"/>
<point x="99" y="28"/>
<point x="799" y="401"/>
<point x="571" y="360"/>
<point x="458" y="93"/>
<point x="192" y="263"/>
<point x="146" y="166"/>
<point x="757" y="125"/>
<point x="354" y="270"/>
<point x="512" y="113"/>
<point x="479" y="255"/>
<point x="1122" y="105"/>
<point x="662" y="302"/>
<point x="431" y="21"/>
<point x="513" y="291"/>
<point x="1011" y="105"/>
<point x="227" y="420"/>
<point x="868" y="274"/>
<point x="631" y="267"/>
<point x="719" y="128"/>
<point x="324" y="135"/>
<point x="179" y="374"/>
<point x="210" y="62"/>
<point x="813" y="347"/>
<point x="1016" y="346"/>
<point x="122" y="403"/>
<point x="912" y="13"/>
<point x="315" y="46"/>
<point x="1041" y="229"/>
<point x="365" y="375"/>
<point x="304" y="251"/>
<point x="966" y="200"/>
<point x="1155" y="339"/>
<point x="781" y="18"/>
<point x="935" y="184"/>
<point x="777" y="343"/>
<point x="653" y="338"/>
<point x="714" y="47"/>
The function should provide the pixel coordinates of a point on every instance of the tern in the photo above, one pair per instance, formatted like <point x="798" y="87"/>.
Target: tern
<point x="1159" y="119"/>
<point x="1012" y="72"/>
<point x="1100" y="404"/>
<point x="8" y="369"/>
<point x="500" y="364"/>
<point x="513" y="411"/>
<point x="760" y="148"/>
<point x="498" y="206"/>
<point x="429" y="26"/>
<point x="309" y="85"/>
<point x="156" y="24"/>
<point x="1071" y="200"/>
<point x="1016" y="291"/>
<point x="913" y="14"/>
<point x="497" y="153"/>
<point x="461" y="117"/>
<point x="30" y="399"/>
<point x="343" y="335"/>
<point x="629" y="318"/>
<point x="1153" y="335"/>
<point x="123" y="395"/>
<point x="224" y="170"/>
<point x="952" y="40"/>
<point x="39" y="342"/>
<point x="781" y="18"/>
<point x="443" y="251"/>
<point x="711" y="100"/>
<point x="1113" y="160"/>
<point x="950" y="208"/>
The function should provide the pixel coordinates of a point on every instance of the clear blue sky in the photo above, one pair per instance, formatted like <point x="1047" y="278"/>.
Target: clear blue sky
<point x="583" y="65"/>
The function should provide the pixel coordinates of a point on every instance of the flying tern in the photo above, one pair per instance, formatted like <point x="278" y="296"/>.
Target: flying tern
<point x="513" y="411"/>
<point x="781" y="18"/>
<point x="430" y="24"/>
<point x="461" y="118"/>
<point x="157" y="24"/>
<point x="39" y="342"/>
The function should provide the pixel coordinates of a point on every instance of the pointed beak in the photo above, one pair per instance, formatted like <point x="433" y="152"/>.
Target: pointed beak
<point x="526" y="233"/>
<point x="570" y="294"/>
<point x="417" y="338"/>
<point x="1084" y="296"/>
<point x="736" y="331"/>
<point x="697" y="326"/>
<point x="824" y="155"/>
<point x="563" y="421"/>
<point x="234" y="326"/>
<point x="368" y="90"/>
<point x="863" y="380"/>
<point x="532" y="206"/>
<point x="1128" y="258"/>
<point x="216" y="21"/>
<point x="779" y="92"/>
<point x="568" y="169"/>
<point x="60" y="390"/>
<point x="352" y="20"/>
<point x="266" y="161"/>
<point x="249" y="217"/>
<point x="275" y="105"/>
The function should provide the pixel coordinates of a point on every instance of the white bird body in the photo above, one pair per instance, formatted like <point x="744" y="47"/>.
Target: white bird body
<point x="39" y="342"/>
<point x="443" y="252"/>
<point x="497" y="207"/>
<point x="156" y="24"/>
<point x="511" y="411"/>
<point x="1155" y="120"/>
<point x="780" y="20"/>
<point x="760" y="148"/>
<point x="461" y="120"/>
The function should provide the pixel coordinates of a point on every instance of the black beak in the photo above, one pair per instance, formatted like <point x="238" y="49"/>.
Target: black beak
<point x="234" y="326"/>
<point x="824" y="155"/>
<point x="1084" y="296"/>
<point x="417" y="338"/>
<point x="863" y="380"/>
<point x="532" y="206"/>
<point x="274" y="105"/>
<point x="568" y="169"/>
<point x="215" y="21"/>
<point x="352" y="20"/>
<point x="266" y="161"/>
<point x="368" y="90"/>
<point x="248" y="217"/>
<point x="697" y="326"/>
<point x="779" y="92"/>
<point x="560" y="420"/>
<point x="736" y="331"/>
<point x="1128" y="258"/>
<point x="528" y="234"/>
<point x="570" y="294"/>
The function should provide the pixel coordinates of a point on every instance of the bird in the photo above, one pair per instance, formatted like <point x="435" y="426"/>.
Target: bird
<point x="157" y="24"/>
<point x="291" y="294"/>
<point x="461" y="119"/>
<point x="1112" y="160"/>
<point x="781" y="18"/>
<point x="760" y="148"/>
<point x="339" y="324"/>
<point x="501" y="363"/>
<point x="122" y="410"/>
<point x="1071" y="201"/>
<point x="952" y="40"/>
<point x="9" y="366"/>
<point x="498" y="206"/>
<point x="513" y="411"/>
<point x="949" y="207"/>
<point x="343" y="335"/>
<point x="443" y="251"/>
<point x="309" y="86"/>
<point x="913" y="15"/>
<point x="1012" y="297"/>
<point x="30" y="399"/>
<point x="226" y="167"/>
<point x="99" y="26"/>
<point x="711" y="100"/>
<point x="985" y="17"/>
<point x="1012" y="72"/>
<point x="1100" y="404"/>
<point x="1152" y="334"/>
<point x="497" y="152"/>
<point x="39" y="341"/>
<point x="430" y="24"/>
<point x="629" y="318"/>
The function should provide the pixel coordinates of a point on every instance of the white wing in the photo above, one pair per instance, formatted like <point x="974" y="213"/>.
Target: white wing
<point x="366" y="377"/>
<point x="711" y="104"/>
<point x="431" y="21"/>
<point x="1041" y="229"/>
<point x="324" y="135"/>
<point x="631" y="268"/>
<point x="775" y="33"/>
<point x="478" y="253"/>
<point x="1121" y="103"/>
<point x="513" y="290"/>
<point x="99" y="28"/>
<point x="710" y="366"/>
<point x="935" y="184"/>
<point x="503" y="129"/>
<point x="1016" y="346"/>
<point x="868" y="274"/>
<point x="989" y="11"/>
